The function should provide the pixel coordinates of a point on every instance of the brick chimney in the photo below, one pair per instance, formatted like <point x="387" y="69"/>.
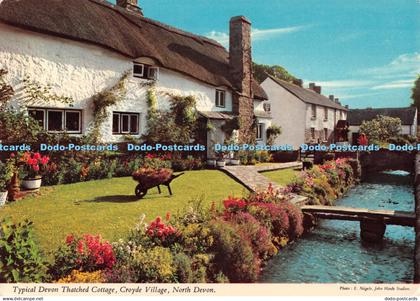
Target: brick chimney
<point x="240" y="64"/>
<point x="130" y="5"/>
<point x="317" y="89"/>
<point x="312" y="86"/>
<point x="331" y="97"/>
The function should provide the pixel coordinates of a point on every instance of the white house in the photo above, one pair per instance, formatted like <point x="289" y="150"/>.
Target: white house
<point x="304" y="115"/>
<point x="82" y="47"/>
<point x="407" y="115"/>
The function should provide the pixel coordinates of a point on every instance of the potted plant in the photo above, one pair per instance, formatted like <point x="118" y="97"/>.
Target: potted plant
<point x="211" y="162"/>
<point x="32" y="166"/>
<point x="235" y="159"/>
<point x="221" y="160"/>
<point x="6" y="172"/>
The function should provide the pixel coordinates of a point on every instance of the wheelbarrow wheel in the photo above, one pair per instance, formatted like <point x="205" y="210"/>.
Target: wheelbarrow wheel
<point x="140" y="191"/>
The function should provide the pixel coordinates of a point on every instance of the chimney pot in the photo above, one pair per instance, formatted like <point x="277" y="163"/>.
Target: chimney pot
<point x="317" y="89"/>
<point x="130" y="5"/>
<point x="331" y="97"/>
<point x="311" y="86"/>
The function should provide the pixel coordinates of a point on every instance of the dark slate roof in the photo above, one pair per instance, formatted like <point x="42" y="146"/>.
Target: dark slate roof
<point x="357" y="116"/>
<point x="101" y="23"/>
<point x="307" y="95"/>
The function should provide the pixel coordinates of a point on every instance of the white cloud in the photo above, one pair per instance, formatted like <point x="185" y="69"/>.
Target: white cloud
<point x="407" y="64"/>
<point x="256" y="34"/>
<point x="397" y="84"/>
<point x="350" y="96"/>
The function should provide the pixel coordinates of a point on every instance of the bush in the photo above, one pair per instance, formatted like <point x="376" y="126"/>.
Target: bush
<point x="87" y="254"/>
<point x="83" y="277"/>
<point x="154" y="264"/>
<point x="20" y="258"/>
<point x="234" y="256"/>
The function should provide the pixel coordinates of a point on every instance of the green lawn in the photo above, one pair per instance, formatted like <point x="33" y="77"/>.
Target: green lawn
<point x="281" y="176"/>
<point x="110" y="208"/>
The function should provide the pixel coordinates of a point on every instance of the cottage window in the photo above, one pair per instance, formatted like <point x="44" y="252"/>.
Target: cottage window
<point x="260" y="129"/>
<point x="152" y="73"/>
<point x="325" y="134"/>
<point x="313" y="133"/>
<point x="145" y="71"/>
<point x="325" y="113"/>
<point x="138" y="70"/>
<point x="220" y="98"/>
<point x="313" y="111"/>
<point x="125" y="123"/>
<point x="38" y="115"/>
<point x="58" y="120"/>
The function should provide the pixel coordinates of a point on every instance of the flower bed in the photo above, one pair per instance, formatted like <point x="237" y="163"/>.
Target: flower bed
<point x="229" y="244"/>
<point x="323" y="184"/>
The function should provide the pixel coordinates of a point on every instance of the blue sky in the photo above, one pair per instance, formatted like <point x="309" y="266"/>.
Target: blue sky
<point x="367" y="53"/>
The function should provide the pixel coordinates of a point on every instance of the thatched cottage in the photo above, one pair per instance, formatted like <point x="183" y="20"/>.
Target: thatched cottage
<point x="82" y="47"/>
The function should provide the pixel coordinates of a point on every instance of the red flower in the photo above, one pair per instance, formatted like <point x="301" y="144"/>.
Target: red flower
<point x="69" y="239"/>
<point x="80" y="247"/>
<point x="37" y="156"/>
<point x="35" y="167"/>
<point x="45" y="160"/>
<point x="168" y="216"/>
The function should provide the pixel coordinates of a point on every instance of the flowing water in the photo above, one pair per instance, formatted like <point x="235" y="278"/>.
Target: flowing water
<point x="333" y="252"/>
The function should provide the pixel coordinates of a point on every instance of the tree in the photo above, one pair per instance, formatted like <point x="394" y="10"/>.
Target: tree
<point x="381" y="128"/>
<point x="261" y="71"/>
<point x="416" y="94"/>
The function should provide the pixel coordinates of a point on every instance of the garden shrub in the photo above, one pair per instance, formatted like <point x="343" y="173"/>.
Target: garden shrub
<point x="20" y="258"/>
<point x="154" y="264"/>
<point x="77" y="276"/>
<point x="87" y="253"/>
<point x="233" y="253"/>
<point x="183" y="271"/>
<point x="72" y="173"/>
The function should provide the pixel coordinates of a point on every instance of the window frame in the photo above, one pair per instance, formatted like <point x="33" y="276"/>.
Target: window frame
<point x="313" y="111"/>
<point x="156" y="72"/>
<point x="260" y="131"/>
<point x="326" y="134"/>
<point x="120" y="123"/>
<point x="138" y="75"/>
<point x="63" y="121"/>
<point x="325" y="113"/>
<point x="312" y="129"/>
<point x="217" y="100"/>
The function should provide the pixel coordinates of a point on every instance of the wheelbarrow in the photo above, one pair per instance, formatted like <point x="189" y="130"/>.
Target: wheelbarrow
<point x="142" y="188"/>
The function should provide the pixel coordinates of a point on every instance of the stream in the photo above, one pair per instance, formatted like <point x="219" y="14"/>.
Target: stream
<point x="333" y="251"/>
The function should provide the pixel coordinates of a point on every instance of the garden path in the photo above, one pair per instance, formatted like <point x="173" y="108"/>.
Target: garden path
<point x="252" y="179"/>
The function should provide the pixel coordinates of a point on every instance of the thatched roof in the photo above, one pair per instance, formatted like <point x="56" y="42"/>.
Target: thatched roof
<point x="307" y="95"/>
<point x="130" y="34"/>
<point x="357" y="116"/>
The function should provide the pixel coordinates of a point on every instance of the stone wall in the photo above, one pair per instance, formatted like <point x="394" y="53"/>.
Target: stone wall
<point x="387" y="160"/>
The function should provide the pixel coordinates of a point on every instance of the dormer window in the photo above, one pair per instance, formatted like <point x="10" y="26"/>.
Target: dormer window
<point x="220" y="98"/>
<point x="138" y="70"/>
<point x="145" y="71"/>
<point x="152" y="73"/>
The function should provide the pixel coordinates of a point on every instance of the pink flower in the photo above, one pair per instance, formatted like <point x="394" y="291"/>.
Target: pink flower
<point x="35" y="167"/>
<point x="37" y="156"/>
<point x="69" y="239"/>
<point x="45" y="160"/>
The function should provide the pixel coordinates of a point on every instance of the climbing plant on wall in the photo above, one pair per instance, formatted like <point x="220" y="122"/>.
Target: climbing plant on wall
<point x="35" y="92"/>
<point x="6" y="91"/>
<point x="102" y="101"/>
<point x="175" y="126"/>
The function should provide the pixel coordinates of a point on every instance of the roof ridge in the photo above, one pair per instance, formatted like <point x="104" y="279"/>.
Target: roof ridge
<point x="170" y="28"/>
